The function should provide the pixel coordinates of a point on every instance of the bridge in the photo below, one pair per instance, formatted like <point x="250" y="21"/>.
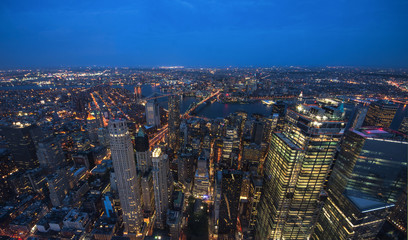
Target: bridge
<point x="194" y="107"/>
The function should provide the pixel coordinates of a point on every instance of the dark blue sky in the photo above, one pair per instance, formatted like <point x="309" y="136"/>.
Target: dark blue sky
<point x="203" y="33"/>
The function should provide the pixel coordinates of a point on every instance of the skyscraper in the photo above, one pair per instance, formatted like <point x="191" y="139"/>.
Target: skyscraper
<point x="230" y="143"/>
<point x="49" y="153"/>
<point x="153" y="113"/>
<point x="174" y="123"/>
<point x="144" y="165"/>
<point x="380" y="114"/>
<point x="369" y="176"/>
<point x="295" y="171"/>
<point x="228" y="211"/>
<point x="21" y="141"/>
<point x="143" y="154"/>
<point x="201" y="179"/>
<point x="126" y="177"/>
<point x="257" y="132"/>
<point x="161" y="175"/>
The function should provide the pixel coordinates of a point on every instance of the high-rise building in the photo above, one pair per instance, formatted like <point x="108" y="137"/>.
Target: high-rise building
<point x="295" y="171"/>
<point x="369" y="176"/>
<point x="404" y="126"/>
<point x="92" y="128"/>
<point x="174" y="123"/>
<point x="185" y="169"/>
<point x="279" y="108"/>
<point x="229" y="203"/>
<point x="143" y="154"/>
<point x="147" y="193"/>
<point x="255" y="191"/>
<point x="161" y="175"/>
<point x="257" y="132"/>
<point x="58" y="186"/>
<point x="357" y="119"/>
<point x="21" y="142"/>
<point x="201" y="179"/>
<point x="380" y="114"/>
<point x="127" y="180"/>
<point x="230" y="142"/>
<point x="153" y="113"/>
<point x="49" y="153"/>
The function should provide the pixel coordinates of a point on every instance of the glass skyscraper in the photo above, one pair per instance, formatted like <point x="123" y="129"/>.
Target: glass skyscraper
<point x="296" y="170"/>
<point x="369" y="176"/>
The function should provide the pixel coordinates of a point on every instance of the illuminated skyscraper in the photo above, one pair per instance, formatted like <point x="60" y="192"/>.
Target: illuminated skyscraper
<point x="153" y="114"/>
<point x="174" y="123"/>
<point x="380" y="114"/>
<point x="369" y="176"/>
<point x="295" y="171"/>
<point x="127" y="179"/>
<point x="201" y="179"/>
<point x="230" y="143"/>
<point x="161" y="175"/>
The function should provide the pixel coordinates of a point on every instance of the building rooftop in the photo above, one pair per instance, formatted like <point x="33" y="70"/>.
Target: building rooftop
<point x="368" y="205"/>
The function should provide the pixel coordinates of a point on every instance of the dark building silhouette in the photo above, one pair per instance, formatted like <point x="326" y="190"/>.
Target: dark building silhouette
<point x="22" y="142"/>
<point x="257" y="132"/>
<point x="174" y="123"/>
<point x="230" y="193"/>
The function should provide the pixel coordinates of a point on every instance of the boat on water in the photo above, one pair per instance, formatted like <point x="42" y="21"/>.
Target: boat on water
<point x="268" y="102"/>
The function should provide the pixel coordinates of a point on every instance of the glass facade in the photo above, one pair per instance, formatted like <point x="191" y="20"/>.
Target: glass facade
<point x="296" y="170"/>
<point x="369" y="176"/>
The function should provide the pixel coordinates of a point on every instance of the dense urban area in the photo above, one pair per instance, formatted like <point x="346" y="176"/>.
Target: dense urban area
<point x="203" y="153"/>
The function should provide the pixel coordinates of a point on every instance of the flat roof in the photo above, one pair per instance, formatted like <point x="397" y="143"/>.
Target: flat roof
<point x="368" y="205"/>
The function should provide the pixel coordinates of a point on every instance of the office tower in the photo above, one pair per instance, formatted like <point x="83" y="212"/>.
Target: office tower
<point x="161" y="175"/>
<point x="201" y="179"/>
<point x="185" y="169"/>
<point x="103" y="137"/>
<point x="230" y="142"/>
<point x="403" y="128"/>
<point x="369" y="176"/>
<point x="153" y="114"/>
<point x="398" y="216"/>
<point x="49" y="153"/>
<point x="126" y="176"/>
<point x="183" y="134"/>
<point x="174" y="123"/>
<point x="257" y="132"/>
<point x="357" y="120"/>
<point x="380" y="114"/>
<point x="229" y="202"/>
<point x="279" y="108"/>
<point x="58" y="186"/>
<point x="147" y="193"/>
<point x="174" y="221"/>
<point x="138" y="93"/>
<point x="92" y="128"/>
<point x="251" y="156"/>
<point x="295" y="171"/>
<point x="255" y="191"/>
<point x="143" y="154"/>
<point x="21" y="142"/>
<point x="270" y="125"/>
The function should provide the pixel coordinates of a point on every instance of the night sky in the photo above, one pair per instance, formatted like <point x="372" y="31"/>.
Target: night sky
<point x="203" y="33"/>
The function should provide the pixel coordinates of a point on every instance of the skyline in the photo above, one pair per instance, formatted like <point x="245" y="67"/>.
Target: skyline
<point x="204" y="34"/>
